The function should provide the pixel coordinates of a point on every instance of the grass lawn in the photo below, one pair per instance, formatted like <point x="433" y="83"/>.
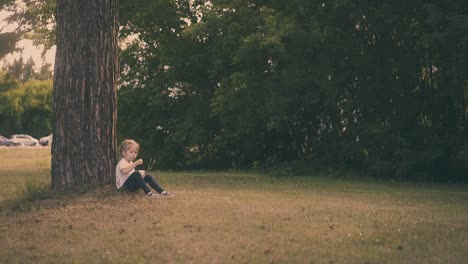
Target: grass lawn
<point x="228" y="217"/>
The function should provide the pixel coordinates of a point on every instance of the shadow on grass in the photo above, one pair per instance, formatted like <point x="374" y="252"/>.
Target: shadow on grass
<point x="39" y="192"/>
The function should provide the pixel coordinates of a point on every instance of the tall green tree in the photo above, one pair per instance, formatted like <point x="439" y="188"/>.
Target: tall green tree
<point x="7" y="39"/>
<point x="10" y="107"/>
<point x="7" y="43"/>
<point x="25" y="107"/>
<point x="20" y="70"/>
<point x="356" y="84"/>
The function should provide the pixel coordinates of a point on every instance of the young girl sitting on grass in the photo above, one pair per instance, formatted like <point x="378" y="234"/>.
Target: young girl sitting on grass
<point x="131" y="179"/>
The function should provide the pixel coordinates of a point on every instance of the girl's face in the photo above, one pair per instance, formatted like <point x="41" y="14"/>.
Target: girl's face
<point x="131" y="153"/>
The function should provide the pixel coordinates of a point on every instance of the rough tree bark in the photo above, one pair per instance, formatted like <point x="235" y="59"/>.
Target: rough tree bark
<point x="84" y="96"/>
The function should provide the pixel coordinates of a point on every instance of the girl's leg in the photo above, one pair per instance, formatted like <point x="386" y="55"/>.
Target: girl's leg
<point x="152" y="182"/>
<point x="135" y="182"/>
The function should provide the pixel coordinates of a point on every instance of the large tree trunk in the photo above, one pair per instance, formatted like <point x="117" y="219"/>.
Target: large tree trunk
<point x="84" y="96"/>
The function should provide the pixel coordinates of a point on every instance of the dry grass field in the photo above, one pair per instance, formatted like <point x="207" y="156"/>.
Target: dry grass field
<point x="228" y="217"/>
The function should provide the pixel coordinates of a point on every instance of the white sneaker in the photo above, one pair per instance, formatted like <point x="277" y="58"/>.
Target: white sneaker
<point x="166" y="194"/>
<point x="151" y="195"/>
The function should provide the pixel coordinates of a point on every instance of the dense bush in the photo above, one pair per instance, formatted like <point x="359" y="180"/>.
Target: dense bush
<point x="376" y="87"/>
<point x="25" y="108"/>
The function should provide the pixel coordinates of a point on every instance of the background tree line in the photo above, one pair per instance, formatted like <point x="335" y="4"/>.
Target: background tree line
<point x="379" y="87"/>
<point x="25" y="99"/>
<point x="25" y="90"/>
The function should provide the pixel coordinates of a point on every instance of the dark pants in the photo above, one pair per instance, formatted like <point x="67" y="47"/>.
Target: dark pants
<point x="136" y="182"/>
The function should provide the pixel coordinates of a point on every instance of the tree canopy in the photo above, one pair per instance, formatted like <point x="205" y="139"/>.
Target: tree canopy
<point x="375" y="86"/>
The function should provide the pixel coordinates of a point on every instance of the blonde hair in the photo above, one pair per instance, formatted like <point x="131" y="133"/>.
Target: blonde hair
<point x="126" y="145"/>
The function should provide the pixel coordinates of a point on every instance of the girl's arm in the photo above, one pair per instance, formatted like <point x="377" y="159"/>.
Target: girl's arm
<point x="131" y="166"/>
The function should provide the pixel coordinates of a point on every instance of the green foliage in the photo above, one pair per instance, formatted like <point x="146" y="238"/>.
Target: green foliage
<point x="373" y="86"/>
<point x="35" y="20"/>
<point x="37" y="102"/>
<point x="10" y="107"/>
<point x="377" y="87"/>
<point x="20" y="70"/>
<point x="25" y="107"/>
<point x="7" y="43"/>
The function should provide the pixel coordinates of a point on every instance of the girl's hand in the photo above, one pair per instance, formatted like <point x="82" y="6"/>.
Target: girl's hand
<point x="143" y="173"/>
<point x="139" y="162"/>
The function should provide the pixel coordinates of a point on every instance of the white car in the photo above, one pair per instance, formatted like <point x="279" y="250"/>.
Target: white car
<point x="6" y="142"/>
<point x="46" y="141"/>
<point x="24" y="140"/>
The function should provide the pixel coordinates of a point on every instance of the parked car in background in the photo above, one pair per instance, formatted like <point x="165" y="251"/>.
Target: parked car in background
<point x="6" y="141"/>
<point x="24" y="140"/>
<point x="46" y="141"/>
